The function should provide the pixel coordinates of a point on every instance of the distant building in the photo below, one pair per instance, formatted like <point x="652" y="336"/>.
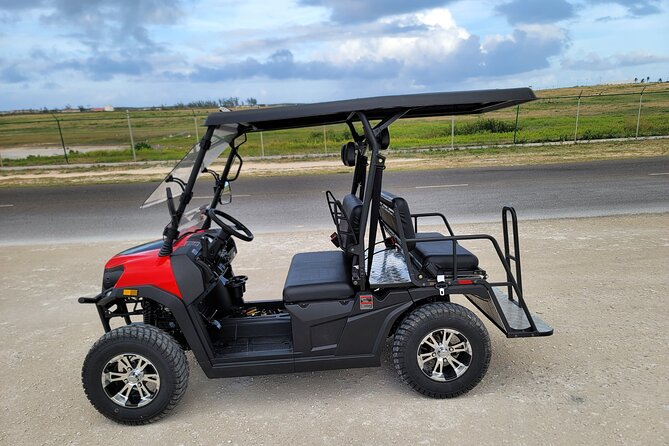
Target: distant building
<point x="106" y="108"/>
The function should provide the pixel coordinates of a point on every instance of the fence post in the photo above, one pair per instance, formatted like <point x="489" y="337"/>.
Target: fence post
<point x="325" y="141"/>
<point x="62" y="141"/>
<point x="515" y="127"/>
<point x="132" y="141"/>
<point x="452" y="131"/>
<point x="638" y="115"/>
<point x="197" y="134"/>
<point x="262" y="146"/>
<point x="578" y="112"/>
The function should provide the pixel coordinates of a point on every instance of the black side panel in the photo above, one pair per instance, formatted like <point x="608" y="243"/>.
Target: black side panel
<point x="255" y="366"/>
<point x="366" y="330"/>
<point x="188" y="277"/>
<point x="317" y="326"/>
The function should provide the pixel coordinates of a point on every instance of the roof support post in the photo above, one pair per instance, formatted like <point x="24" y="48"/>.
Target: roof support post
<point x="367" y="199"/>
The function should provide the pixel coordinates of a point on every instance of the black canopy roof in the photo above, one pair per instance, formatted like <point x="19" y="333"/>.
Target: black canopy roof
<point x="415" y="106"/>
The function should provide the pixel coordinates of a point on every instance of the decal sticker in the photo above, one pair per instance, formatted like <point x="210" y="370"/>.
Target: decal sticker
<point x="366" y="302"/>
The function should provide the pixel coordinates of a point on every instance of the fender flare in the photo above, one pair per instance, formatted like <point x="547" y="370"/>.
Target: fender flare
<point x="175" y="305"/>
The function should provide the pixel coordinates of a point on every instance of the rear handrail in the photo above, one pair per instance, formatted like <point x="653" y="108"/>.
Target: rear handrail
<point x="515" y="257"/>
<point x="431" y="214"/>
<point x="511" y="281"/>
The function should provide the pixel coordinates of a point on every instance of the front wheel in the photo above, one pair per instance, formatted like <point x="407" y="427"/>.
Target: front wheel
<point x="135" y="374"/>
<point x="441" y="350"/>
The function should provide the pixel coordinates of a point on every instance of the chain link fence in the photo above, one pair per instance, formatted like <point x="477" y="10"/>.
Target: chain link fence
<point x="144" y="135"/>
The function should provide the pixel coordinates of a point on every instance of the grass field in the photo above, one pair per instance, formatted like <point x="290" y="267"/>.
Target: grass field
<point x="606" y="111"/>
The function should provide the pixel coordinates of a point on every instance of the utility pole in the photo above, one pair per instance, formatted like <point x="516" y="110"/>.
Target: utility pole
<point x="62" y="141"/>
<point x="638" y="115"/>
<point x="132" y="141"/>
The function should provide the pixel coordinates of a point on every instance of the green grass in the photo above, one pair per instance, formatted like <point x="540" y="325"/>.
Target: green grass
<point x="170" y="133"/>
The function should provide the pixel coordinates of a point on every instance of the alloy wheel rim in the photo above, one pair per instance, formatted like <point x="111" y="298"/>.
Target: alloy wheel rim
<point x="130" y="380"/>
<point x="444" y="355"/>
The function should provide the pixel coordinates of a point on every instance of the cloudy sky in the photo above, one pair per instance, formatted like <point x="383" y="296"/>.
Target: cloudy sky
<point x="152" y="52"/>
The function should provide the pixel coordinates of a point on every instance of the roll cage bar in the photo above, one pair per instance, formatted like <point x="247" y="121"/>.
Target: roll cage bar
<point x="370" y="163"/>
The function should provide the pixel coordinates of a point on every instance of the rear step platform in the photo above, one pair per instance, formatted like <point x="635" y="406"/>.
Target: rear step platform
<point x="509" y="315"/>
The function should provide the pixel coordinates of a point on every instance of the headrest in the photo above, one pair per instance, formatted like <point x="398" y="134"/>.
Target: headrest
<point x="348" y="154"/>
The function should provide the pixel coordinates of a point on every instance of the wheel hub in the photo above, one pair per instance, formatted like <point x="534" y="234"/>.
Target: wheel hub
<point x="130" y="380"/>
<point x="135" y="376"/>
<point x="444" y="354"/>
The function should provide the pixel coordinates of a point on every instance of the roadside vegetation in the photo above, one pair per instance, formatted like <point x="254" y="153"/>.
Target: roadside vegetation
<point x="405" y="160"/>
<point x="606" y="111"/>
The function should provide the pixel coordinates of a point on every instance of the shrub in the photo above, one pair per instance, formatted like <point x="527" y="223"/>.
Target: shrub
<point x="490" y="125"/>
<point x="143" y="145"/>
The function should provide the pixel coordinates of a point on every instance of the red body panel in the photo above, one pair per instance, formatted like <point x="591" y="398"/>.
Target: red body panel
<point x="147" y="268"/>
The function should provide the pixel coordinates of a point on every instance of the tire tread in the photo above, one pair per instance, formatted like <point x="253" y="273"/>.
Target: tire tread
<point x="153" y="338"/>
<point x="412" y="323"/>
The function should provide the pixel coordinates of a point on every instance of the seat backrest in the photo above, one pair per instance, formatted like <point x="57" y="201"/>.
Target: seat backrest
<point x="395" y="208"/>
<point x="352" y="206"/>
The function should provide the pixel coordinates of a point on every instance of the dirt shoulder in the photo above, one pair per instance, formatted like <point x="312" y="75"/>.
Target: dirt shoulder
<point x="423" y="159"/>
<point x="601" y="379"/>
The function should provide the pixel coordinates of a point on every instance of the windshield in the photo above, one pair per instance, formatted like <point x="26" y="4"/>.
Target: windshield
<point x="220" y="142"/>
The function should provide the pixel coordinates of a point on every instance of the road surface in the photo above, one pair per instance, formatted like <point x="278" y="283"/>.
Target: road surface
<point x="290" y="203"/>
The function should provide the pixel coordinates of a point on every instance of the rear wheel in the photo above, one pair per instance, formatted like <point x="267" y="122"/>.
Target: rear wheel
<point x="135" y="374"/>
<point x="441" y="350"/>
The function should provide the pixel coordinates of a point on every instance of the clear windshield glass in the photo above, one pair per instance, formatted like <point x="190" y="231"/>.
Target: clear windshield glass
<point x="220" y="142"/>
<point x="192" y="220"/>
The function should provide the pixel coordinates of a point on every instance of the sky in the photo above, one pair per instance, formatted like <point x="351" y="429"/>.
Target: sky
<point x="92" y="53"/>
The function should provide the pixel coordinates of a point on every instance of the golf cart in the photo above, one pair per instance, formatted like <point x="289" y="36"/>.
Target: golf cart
<point x="384" y="278"/>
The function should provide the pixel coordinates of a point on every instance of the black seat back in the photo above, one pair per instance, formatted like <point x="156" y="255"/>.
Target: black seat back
<point x="352" y="207"/>
<point x="396" y="217"/>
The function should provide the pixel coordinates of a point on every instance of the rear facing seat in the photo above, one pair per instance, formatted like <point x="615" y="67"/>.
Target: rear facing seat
<point x="434" y="256"/>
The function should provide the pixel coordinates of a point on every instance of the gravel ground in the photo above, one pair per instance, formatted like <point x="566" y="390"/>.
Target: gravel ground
<point x="601" y="379"/>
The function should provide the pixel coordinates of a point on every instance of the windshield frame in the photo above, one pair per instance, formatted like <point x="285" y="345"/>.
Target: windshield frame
<point x="171" y="232"/>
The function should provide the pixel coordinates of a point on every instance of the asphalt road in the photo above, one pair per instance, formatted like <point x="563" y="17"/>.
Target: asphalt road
<point x="288" y="203"/>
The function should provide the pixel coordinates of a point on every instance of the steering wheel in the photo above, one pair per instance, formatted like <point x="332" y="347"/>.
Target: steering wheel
<point x="219" y="217"/>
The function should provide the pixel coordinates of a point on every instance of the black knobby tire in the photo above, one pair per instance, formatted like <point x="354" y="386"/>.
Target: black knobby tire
<point x="166" y="357"/>
<point x="432" y="318"/>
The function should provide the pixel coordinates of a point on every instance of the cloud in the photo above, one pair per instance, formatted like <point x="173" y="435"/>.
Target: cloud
<point x="436" y="53"/>
<point x="595" y="62"/>
<point x="635" y="8"/>
<point x="356" y="11"/>
<point x="101" y="23"/>
<point x="12" y="74"/>
<point x="282" y="65"/>
<point x="103" y="39"/>
<point x="102" y="68"/>
<point x="536" y="11"/>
